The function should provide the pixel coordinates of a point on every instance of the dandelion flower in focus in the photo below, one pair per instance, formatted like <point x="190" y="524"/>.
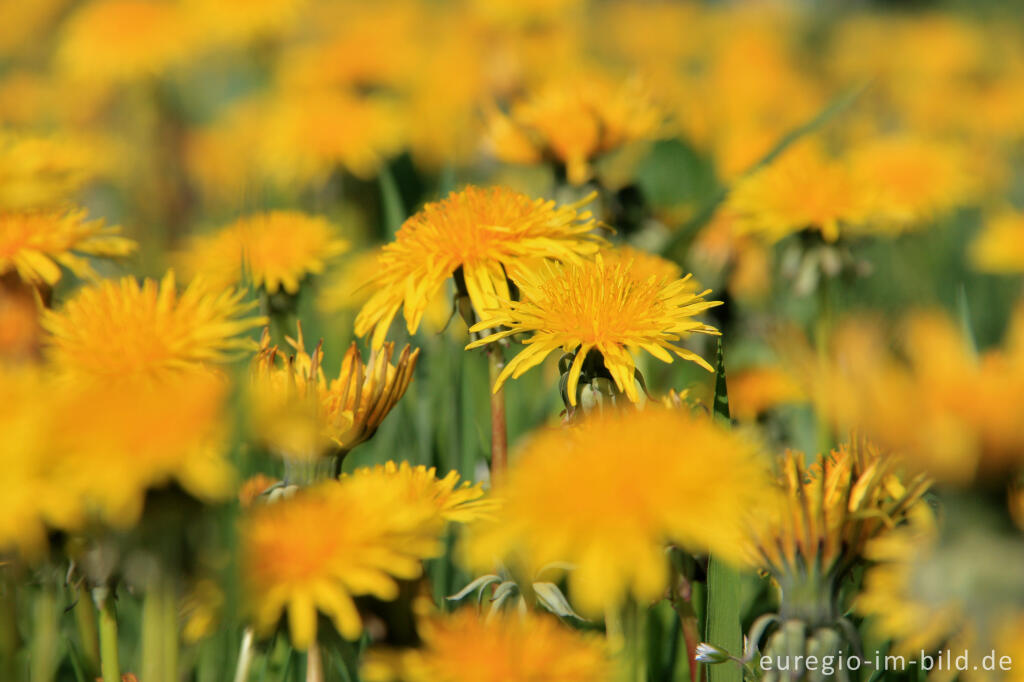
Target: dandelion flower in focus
<point x="460" y="503"/>
<point x="608" y="494"/>
<point x="300" y="415"/>
<point x="574" y="123"/>
<point x="475" y="235"/>
<point x="276" y="249"/>
<point x="36" y="244"/>
<point x="802" y="189"/>
<point x="123" y="330"/>
<point x="601" y="307"/>
<point x="113" y="41"/>
<point x="463" y="647"/>
<point x="327" y="544"/>
<point x="999" y="247"/>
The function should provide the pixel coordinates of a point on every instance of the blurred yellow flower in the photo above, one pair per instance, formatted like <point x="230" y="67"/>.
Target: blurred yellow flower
<point x="234" y="22"/>
<point x="574" y="123"/>
<point x="116" y="331"/>
<point x="36" y="244"/>
<point x="999" y="247"/>
<point x="755" y="390"/>
<point x="614" y="309"/>
<point x="476" y="236"/>
<point x="299" y="415"/>
<point x="275" y="249"/>
<point x="45" y="171"/>
<point x="910" y="180"/>
<point x="114" y="41"/>
<point x="324" y="545"/>
<point x="511" y="647"/>
<point x="459" y="503"/>
<point x="606" y="496"/>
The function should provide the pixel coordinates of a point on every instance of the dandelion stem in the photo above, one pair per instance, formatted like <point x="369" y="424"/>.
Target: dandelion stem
<point x="314" y="664"/>
<point x="9" y="639"/>
<point x="499" y="433"/>
<point x="110" y="665"/>
<point x="244" y="657"/>
<point x="85" y="619"/>
<point x="44" y="634"/>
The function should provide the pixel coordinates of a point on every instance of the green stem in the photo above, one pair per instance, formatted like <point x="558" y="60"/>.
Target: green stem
<point x="9" y="639"/>
<point x="314" y="664"/>
<point x="152" y="643"/>
<point x="110" y="665"/>
<point x="244" y="657"/>
<point x="635" y="650"/>
<point x="85" y="621"/>
<point x="499" y="431"/>
<point x="44" y="634"/>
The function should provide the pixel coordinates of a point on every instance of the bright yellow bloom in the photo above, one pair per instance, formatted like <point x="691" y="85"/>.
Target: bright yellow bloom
<point x="608" y="308"/>
<point x="122" y="330"/>
<point x="460" y="503"/>
<point x="300" y="415"/>
<point x="464" y="647"/>
<point x="44" y="172"/>
<point x="574" y="123"/>
<point x="36" y="244"/>
<point x="802" y="189"/>
<point x="911" y="180"/>
<point x="608" y="494"/>
<point x="999" y="247"/>
<point x="827" y="511"/>
<point x="126" y="40"/>
<point x="476" y="235"/>
<point x="318" y="549"/>
<point x="276" y="249"/>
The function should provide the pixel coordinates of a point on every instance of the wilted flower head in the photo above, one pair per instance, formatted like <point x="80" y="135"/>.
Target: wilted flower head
<point x="613" y="309"/>
<point x="511" y="647"/>
<point x="475" y="235"/>
<point x="276" y="250"/>
<point x="326" y="544"/>
<point x="574" y="497"/>
<point x="300" y="415"/>
<point x="117" y="331"/>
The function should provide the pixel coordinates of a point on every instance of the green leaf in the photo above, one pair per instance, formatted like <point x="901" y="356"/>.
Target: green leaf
<point x="724" y="628"/>
<point x="551" y="598"/>
<point x="391" y="201"/>
<point x="480" y="583"/>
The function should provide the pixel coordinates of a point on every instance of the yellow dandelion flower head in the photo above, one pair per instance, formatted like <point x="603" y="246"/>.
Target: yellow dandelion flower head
<point x="464" y="647"/>
<point x="454" y="502"/>
<point x="574" y="122"/>
<point x="829" y="509"/>
<point x="602" y="307"/>
<point x="321" y="547"/>
<point x="45" y="171"/>
<point x="35" y="244"/>
<point x="301" y="141"/>
<point x="124" y="439"/>
<point x="113" y="41"/>
<point x="345" y="286"/>
<point x="999" y="247"/>
<point x="35" y="499"/>
<point x="276" y="249"/>
<point x="608" y="495"/>
<point x="478" y="235"/>
<point x="910" y="180"/>
<point x="802" y="189"/>
<point x="300" y="414"/>
<point x="124" y="330"/>
<point x="755" y="390"/>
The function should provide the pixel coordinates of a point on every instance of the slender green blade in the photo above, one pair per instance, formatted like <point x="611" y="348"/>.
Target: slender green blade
<point x="391" y="201"/>
<point x="723" y="627"/>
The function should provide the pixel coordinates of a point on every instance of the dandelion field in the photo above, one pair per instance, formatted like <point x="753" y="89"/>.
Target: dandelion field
<point x="485" y="340"/>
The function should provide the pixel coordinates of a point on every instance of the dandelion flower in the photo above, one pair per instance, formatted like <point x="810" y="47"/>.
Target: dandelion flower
<point x="460" y="503"/>
<point x="574" y="123"/>
<point x="999" y="247"/>
<point x="36" y="244"/>
<point x="475" y="235"/>
<point x="802" y="189"/>
<point x="755" y="390"/>
<point x="608" y="494"/>
<point x="124" y="330"/>
<point x="464" y="647"/>
<point x="300" y="415"/>
<point x="113" y="41"/>
<point x="601" y="307"/>
<point x="43" y="172"/>
<point x="327" y="544"/>
<point x="276" y="249"/>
